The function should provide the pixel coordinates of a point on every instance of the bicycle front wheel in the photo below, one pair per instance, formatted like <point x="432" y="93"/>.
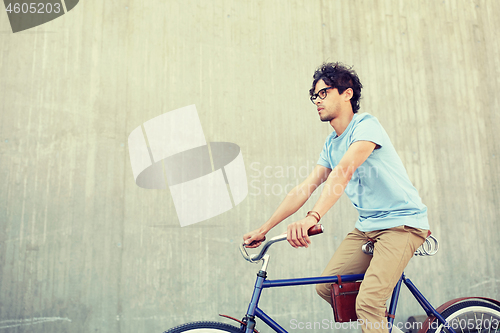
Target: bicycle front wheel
<point x="205" y="327"/>
<point x="473" y="316"/>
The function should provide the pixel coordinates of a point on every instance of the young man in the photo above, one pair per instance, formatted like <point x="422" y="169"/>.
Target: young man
<point x="359" y="159"/>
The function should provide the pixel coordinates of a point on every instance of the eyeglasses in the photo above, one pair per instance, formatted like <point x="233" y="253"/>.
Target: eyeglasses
<point x="321" y="94"/>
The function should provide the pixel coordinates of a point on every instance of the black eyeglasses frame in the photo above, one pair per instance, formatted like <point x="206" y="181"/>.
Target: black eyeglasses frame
<point x="315" y="96"/>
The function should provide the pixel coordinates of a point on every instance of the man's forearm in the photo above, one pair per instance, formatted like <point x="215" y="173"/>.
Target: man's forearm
<point x="334" y="187"/>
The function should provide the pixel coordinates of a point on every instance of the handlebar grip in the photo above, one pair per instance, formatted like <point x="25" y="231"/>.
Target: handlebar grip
<point x="315" y="230"/>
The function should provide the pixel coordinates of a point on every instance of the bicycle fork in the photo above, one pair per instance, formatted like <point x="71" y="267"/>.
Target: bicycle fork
<point x="249" y="319"/>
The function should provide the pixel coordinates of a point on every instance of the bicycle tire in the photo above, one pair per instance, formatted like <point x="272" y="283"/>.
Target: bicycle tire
<point x="205" y="327"/>
<point x="470" y="317"/>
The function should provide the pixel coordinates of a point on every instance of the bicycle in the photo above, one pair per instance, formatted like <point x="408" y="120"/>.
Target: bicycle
<point x="471" y="314"/>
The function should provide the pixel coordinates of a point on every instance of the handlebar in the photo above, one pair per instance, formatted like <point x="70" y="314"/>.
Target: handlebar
<point x="314" y="230"/>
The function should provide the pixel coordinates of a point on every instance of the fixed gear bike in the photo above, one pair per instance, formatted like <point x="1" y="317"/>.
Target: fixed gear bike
<point x="460" y="315"/>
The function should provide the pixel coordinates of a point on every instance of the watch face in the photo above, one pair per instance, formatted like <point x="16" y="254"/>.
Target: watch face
<point x="25" y="14"/>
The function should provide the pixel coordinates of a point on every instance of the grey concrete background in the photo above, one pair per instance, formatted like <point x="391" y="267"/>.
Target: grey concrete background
<point x="84" y="249"/>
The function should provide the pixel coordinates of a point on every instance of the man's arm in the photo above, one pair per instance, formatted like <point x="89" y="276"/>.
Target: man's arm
<point x="335" y="185"/>
<point x="292" y="202"/>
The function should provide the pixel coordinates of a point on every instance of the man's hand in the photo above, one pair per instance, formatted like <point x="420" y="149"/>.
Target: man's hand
<point x="257" y="236"/>
<point x="297" y="232"/>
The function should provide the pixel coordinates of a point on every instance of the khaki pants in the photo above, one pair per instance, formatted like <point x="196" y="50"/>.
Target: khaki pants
<point x="393" y="250"/>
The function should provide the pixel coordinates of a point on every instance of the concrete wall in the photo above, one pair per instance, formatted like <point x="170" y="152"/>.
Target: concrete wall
<point x="84" y="249"/>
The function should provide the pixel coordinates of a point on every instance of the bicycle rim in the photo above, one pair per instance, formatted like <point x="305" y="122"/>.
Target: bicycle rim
<point x="470" y="317"/>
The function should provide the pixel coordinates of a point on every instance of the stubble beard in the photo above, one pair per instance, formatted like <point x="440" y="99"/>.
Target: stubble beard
<point x="326" y="118"/>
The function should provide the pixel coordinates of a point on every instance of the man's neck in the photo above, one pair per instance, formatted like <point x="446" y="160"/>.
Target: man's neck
<point x="341" y="122"/>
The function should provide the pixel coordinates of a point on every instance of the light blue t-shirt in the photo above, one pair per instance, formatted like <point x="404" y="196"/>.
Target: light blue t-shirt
<point x="380" y="188"/>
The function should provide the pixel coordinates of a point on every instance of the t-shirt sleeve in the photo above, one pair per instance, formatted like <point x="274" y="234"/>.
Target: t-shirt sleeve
<point x="368" y="129"/>
<point x="323" y="157"/>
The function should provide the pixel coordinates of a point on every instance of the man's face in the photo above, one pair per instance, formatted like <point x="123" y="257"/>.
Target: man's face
<point x="329" y="107"/>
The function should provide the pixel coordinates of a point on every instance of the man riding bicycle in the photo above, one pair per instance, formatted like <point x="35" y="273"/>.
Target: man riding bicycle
<point x="359" y="159"/>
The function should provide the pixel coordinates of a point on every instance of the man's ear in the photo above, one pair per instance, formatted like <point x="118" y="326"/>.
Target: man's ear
<point x="348" y="93"/>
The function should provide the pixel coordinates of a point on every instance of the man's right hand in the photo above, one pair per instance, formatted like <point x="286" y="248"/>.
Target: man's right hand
<point x="255" y="237"/>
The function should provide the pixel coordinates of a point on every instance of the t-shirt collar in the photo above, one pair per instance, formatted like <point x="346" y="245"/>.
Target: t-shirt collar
<point x="334" y="134"/>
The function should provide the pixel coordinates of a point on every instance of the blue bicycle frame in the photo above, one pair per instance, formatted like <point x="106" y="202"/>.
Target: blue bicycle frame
<point x="261" y="283"/>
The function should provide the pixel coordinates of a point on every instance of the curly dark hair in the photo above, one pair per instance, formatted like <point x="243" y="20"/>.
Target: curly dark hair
<point x="338" y="75"/>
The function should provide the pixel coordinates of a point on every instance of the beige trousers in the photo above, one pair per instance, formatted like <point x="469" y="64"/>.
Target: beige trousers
<point x="393" y="250"/>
